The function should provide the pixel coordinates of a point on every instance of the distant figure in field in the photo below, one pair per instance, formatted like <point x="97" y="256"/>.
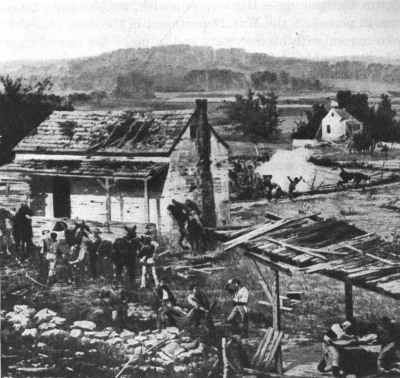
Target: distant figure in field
<point x="277" y="192"/>
<point x="293" y="184"/>
<point x="267" y="186"/>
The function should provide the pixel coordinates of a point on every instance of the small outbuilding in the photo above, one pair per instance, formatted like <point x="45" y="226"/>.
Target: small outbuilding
<point x="339" y="123"/>
<point x="125" y="166"/>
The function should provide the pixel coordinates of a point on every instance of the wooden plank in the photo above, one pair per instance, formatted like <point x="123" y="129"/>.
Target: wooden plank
<point x="299" y="249"/>
<point x="263" y="283"/>
<point x="272" y="216"/>
<point x="263" y="340"/>
<point x="382" y="260"/>
<point x="265" y="346"/>
<point x="286" y="309"/>
<point x="224" y="358"/>
<point x="268" y="262"/>
<point x="274" y="352"/>
<point x="277" y="325"/>
<point x="260" y="231"/>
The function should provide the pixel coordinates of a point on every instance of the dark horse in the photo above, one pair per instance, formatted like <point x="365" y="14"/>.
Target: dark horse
<point x="74" y="235"/>
<point x="22" y="229"/>
<point x="124" y="253"/>
<point x="188" y="226"/>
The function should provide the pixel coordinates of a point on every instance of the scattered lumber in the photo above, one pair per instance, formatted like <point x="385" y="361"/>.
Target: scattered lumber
<point x="261" y="230"/>
<point x="267" y="349"/>
<point x="308" y="251"/>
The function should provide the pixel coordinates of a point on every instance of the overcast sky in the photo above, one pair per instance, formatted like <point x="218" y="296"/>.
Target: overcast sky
<point x="58" y="29"/>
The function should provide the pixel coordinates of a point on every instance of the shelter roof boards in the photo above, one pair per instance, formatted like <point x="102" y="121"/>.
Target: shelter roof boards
<point x="350" y="254"/>
<point x="107" y="133"/>
<point x="128" y="170"/>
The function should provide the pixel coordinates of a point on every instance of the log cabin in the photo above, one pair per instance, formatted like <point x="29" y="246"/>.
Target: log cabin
<point x="125" y="166"/>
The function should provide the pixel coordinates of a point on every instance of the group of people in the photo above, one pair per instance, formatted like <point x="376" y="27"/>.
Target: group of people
<point x="202" y="308"/>
<point x="350" y="343"/>
<point x="56" y="256"/>
<point x="84" y="259"/>
<point x="246" y="184"/>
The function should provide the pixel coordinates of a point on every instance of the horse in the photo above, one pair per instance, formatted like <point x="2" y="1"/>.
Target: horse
<point x="346" y="177"/>
<point x="22" y="229"/>
<point x="188" y="226"/>
<point x="124" y="253"/>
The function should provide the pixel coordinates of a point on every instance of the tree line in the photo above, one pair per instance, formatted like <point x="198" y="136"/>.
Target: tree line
<point x="22" y="108"/>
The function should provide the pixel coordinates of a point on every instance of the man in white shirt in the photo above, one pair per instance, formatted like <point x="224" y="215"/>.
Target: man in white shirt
<point x="240" y="300"/>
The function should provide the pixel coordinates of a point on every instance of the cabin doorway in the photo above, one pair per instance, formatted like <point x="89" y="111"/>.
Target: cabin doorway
<point x="61" y="197"/>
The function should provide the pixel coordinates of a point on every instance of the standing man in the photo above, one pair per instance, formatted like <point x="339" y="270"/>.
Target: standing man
<point x="168" y="307"/>
<point x="293" y="184"/>
<point x="93" y="251"/>
<point x="267" y="186"/>
<point x="194" y="211"/>
<point x="49" y="252"/>
<point x="201" y="308"/>
<point x="240" y="300"/>
<point x="147" y="257"/>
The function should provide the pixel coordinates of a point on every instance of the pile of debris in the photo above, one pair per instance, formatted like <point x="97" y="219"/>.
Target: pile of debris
<point x="56" y="347"/>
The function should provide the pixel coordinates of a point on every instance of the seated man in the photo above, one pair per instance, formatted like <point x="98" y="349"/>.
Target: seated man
<point x="168" y="309"/>
<point x="201" y="308"/>
<point x="331" y="353"/>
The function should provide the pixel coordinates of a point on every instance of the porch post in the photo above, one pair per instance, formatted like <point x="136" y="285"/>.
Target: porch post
<point x="348" y="297"/>
<point x="158" y="203"/>
<point x="277" y="322"/>
<point x="108" y="202"/>
<point x="146" y="202"/>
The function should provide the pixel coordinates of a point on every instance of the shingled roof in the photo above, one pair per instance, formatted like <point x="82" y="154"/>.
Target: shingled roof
<point x="116" y="169"/>
<point x="108" y="133"/>
<point x="333" y="248"/>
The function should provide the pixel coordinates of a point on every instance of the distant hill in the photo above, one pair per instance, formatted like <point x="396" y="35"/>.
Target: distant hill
<point x="186" y="68"/>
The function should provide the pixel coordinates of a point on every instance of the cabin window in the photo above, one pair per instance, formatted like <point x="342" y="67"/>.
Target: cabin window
<point x="333" y="114"/>
<point x="328" y="129"/>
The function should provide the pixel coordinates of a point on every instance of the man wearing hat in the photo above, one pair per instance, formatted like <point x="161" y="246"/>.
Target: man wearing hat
<point x="240" y="300"/>
<point x="147" y="257"/>
<point x="338" y="332"/>
<point x="93" y="252"/>
<point x="49" y="251"/>
<point x="202" y="308"/>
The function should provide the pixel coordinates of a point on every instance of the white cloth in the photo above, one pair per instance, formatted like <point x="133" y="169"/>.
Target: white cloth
<point x="242" y="295"/>
<point x="165" y="295"/>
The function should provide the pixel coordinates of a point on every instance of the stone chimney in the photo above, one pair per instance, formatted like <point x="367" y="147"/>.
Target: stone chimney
<point x="203" y="138"/>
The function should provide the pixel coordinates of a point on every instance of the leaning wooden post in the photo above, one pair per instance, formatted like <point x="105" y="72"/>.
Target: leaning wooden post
<point x="224" y="359"/>
<point x="348" y="297"/>
<point x="146" y="202"/>
<point x="277" y="322"/>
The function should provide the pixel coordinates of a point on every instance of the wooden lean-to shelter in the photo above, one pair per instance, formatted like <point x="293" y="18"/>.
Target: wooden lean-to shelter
<point x="330" y="247"/>
<point x="125" y="166"/>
